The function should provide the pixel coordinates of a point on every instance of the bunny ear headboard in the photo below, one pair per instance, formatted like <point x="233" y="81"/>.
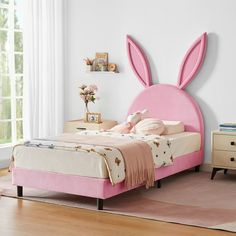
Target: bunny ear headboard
<point x="192" y="62"/>
<point x="169" y="102"/>
<point x="189" y="68"/>
<point x="139" y="62"/>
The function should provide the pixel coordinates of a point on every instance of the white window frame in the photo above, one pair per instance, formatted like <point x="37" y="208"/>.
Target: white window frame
<point x="11" y="65"/>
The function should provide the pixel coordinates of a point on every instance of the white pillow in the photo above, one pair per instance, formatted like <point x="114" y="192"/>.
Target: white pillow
<point x="149" y="126"/>
<point x="173" y="127"/>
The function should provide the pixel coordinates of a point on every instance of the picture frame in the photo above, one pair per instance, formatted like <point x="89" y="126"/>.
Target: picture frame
<point x="101" y="61"/>
<point x="92" y="117"/>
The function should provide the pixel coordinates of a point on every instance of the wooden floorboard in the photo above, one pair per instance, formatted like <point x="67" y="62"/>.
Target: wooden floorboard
<point x="3" y="172"/>
<point x="27" y="218"/>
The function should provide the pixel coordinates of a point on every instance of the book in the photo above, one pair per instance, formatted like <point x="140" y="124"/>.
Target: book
<point x="228" y="130"/>
<point x="228" y="127"/>
<point x="101" y="61"/>
<point x="232" y="125"/>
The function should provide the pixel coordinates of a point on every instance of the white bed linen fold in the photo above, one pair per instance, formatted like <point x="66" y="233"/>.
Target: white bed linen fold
<point x="87" y="164"/>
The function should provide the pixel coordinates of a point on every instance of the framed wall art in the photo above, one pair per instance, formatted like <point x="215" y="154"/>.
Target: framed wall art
<point x="93" y="117"/>
<point x="101" y="61"/>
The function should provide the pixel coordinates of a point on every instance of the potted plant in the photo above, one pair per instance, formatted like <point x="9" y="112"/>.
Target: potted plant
<point x="88" y="94"/>
<point x="89" y="64"/>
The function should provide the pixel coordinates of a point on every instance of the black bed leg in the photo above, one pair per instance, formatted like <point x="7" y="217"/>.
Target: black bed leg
<point x="159" y="183"/>
<point x="19" y="191"/>
<point x="197" y="168"/>
<point x="99" y="204"/>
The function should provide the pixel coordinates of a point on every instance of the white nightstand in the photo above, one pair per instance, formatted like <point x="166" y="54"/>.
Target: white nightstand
<point x="223" y="151"/>
<point x="73" y="126"/>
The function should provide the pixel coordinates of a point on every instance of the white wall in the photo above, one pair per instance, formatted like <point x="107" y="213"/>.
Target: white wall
<point x="5" y="156"/>
<point x="165" y="29"/>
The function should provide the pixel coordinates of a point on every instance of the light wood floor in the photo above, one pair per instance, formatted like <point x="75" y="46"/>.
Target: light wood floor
<point x="26" y="218"/>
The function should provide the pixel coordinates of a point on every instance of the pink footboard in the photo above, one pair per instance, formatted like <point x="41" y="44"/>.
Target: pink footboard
<point x="93" y="187"/>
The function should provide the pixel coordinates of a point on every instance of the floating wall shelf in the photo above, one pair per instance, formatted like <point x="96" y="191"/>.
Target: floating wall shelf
<point x="101" y="72"/>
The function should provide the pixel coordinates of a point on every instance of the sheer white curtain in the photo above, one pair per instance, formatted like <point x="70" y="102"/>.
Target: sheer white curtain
<point x="43" y="68"/>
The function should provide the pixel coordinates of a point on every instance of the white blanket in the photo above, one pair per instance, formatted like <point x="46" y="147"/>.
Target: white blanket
<point x="161" y="153"/>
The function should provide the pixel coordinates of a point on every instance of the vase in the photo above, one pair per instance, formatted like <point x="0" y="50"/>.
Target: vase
<point x="86" y="111"/>
<point x="88" y="68"/>
<point x="86" y="107"/>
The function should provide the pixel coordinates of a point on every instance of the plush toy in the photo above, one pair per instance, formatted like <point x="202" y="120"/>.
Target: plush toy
<point x="123" y="128"/>
<point x="134" y="118"/>
<point x="130" y="123"/>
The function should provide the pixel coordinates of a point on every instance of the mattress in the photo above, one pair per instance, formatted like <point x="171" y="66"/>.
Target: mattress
<point x="87" y="164"/>
<point x="184" y="143"/>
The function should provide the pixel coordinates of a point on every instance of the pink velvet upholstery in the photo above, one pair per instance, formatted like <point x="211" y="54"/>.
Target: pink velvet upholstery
<point x="192" y="62"/>
<point x="139" y="62"/>
<point x="169" y="102"/>
<point x="166" y="102"/>
<point x="91" y="187"/>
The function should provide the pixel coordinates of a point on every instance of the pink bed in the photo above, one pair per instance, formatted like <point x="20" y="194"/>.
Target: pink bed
<point x="167" y="102"/>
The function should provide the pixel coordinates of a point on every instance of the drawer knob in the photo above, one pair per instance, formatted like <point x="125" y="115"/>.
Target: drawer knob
<point x="232" y="143"/>
<point x="232" y="159"/>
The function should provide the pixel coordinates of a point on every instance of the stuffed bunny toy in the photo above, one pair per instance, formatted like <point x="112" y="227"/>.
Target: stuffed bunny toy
<point x="134" y="118"/>
<point x="130" y="123"/>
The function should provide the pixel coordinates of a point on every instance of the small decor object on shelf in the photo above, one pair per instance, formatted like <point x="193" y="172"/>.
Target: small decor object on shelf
<point x="100" y="64"/>
<point x="93" y="117"/>
<point x="101" y="61"/>
<point x="228" y="127"/>
<point x="87" y="94"/>
<point x="89" y="64"/>
<point x="112" y="67"/>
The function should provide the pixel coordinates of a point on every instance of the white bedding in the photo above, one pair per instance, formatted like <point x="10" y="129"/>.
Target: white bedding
<point x="184" y="143"/>
<point x="87" y="164"/>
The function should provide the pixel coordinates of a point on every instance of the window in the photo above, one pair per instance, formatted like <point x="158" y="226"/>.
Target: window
<point x="11" y="72"/>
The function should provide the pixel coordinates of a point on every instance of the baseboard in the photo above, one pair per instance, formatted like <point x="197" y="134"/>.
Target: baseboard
<point x="206" y="167"/>
<point x="4" y="163"/>
<point x="5" y="156"/>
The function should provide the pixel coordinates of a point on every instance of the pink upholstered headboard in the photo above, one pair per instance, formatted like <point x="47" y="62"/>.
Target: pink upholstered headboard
<point x="169" y="102"/>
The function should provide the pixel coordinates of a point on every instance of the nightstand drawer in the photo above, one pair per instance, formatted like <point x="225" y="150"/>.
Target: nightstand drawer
<point x="74" y="126"/>
<point x="225" y="142"/>
<point x="224" y="159"/>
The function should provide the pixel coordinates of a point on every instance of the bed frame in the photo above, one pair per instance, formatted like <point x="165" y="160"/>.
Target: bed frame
<point x="165" y="102"/>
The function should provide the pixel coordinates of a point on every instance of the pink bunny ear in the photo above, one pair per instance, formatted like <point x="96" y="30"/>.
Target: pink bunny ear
<point x="192" y="61"/>
<point x="139" y="62"/>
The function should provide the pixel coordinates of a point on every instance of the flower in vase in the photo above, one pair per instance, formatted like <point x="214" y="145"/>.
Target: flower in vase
<point x="87" y="94"/>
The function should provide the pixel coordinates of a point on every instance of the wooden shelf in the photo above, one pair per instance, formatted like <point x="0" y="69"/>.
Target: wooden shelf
<point x="101" y="72"/>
